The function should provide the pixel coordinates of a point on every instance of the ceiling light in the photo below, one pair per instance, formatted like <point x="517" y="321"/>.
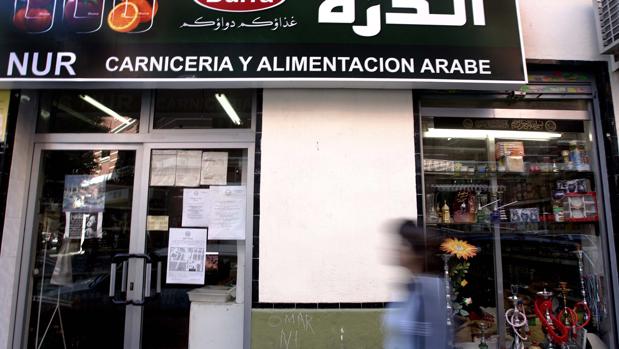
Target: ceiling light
<point x="223" y="101"/>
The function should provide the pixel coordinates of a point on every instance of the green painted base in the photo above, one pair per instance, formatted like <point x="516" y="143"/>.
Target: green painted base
<point x="307" y="328"/>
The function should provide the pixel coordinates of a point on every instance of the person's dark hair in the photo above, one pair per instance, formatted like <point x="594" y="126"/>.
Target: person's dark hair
<point x="422" y="243"/>
<point x="413" y="235"/>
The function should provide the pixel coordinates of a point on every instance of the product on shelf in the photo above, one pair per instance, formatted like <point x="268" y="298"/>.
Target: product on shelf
<point x="432" y="165"/>
<point x="578" y="156"/>
<point x="465" y="205"/>
<point x="580" y="207"/>
<point x="524" y="215"/>
<point x="509" y="149"/>
<point x="510" y="156"/>
<point x="445" y="216"/>
<point x="580" y="185"/>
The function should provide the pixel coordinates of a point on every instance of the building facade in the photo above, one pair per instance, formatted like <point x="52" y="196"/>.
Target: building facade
<point x="161" y="196"/>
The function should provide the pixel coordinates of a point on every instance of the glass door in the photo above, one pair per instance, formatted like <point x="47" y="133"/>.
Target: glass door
<point x="81" y="218"/>
<point x="194" y="232"/>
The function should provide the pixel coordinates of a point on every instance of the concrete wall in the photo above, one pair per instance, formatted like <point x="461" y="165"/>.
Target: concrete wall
<point x="336" y="165"/>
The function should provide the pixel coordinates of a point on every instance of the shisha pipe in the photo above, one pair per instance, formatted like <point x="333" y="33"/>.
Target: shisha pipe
<point x="543" y="310"/>
<point x="517" y="319"/>
<point x="568" y="315"/>
<point x="582" y="304"/>
<point x="446" y="257"/>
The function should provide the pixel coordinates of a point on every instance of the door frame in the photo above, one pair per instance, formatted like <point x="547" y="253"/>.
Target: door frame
<point x="143" y="142"/>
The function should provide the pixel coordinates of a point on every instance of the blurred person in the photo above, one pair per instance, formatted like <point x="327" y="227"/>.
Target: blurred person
<point x="420" y="321"/>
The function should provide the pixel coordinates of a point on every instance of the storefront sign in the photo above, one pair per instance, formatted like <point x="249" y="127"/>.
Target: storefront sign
<point x="411" y="42"/>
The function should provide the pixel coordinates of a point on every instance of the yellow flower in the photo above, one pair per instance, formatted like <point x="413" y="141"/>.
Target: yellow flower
<point x="460" y="248"/>
<point x="463" y="283"/>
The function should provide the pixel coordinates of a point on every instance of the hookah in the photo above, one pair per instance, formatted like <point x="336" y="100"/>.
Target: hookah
<point x="556" y="331"/>
<point x="446" y="257"/>
<point x="582" y="304"/>
<point x="517" y="319"/>
<point x="482" y="340"/>
<point x="567" y="315"/>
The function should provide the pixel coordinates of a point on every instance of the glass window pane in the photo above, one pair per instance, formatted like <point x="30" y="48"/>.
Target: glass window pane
<point x="95" y="111"/>
<point x="524" y="192"/>
<point x="203" y="109"/>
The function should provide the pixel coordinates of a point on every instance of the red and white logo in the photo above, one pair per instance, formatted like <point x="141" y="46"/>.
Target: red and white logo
<point x="239" y="5"/>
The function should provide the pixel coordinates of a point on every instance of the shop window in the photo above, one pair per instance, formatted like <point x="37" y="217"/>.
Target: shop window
<point x="512" y="194"/>
<point x="95" y="111"/>
<point x="203" y="109"/>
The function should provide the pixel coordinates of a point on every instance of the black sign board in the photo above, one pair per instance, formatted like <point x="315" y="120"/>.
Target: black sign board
<point x="473" y="43"/>
<point x="538" y="125"/>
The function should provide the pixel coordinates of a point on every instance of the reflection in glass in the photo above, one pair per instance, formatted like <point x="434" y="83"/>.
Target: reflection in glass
<point x="93" y="111"/>
<point x="83" y="220"/>
<point x="203" y="109"/>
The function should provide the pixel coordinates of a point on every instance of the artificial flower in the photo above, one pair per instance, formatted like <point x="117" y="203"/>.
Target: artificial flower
<point x="468" y="301"/>
<point x="460" y="248"/>
<point x="463" y="283"/>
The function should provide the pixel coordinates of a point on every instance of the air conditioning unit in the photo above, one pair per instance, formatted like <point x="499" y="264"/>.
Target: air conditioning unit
<point x="607" y="19"/>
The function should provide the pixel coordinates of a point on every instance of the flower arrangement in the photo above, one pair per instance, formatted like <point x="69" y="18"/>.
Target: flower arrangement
<point x="463" y="251"/>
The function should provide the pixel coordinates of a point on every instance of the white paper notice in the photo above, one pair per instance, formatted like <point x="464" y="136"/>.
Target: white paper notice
<point x="188" y="164"/>
<point x="214" y="168"/>
<point x="195" y="207"/>
<point x="163" y="168"/>
<point x="227" y="213"/>
<point x="186" y="256"/>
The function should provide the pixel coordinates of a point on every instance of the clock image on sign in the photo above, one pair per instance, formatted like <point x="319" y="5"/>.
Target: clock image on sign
<point x="132" y="16"/>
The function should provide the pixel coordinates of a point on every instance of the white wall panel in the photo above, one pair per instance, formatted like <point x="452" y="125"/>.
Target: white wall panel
<point x="336" y="164"/>
<point x="559" y="29"/>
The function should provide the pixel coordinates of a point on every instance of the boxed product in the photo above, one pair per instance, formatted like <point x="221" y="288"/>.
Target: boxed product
<point x="511" y="164"/>
<point x="580" y="185"/>
<point x="524" y="215"/>
<point x="509" y="149"/>
<point x="580" y="207"/>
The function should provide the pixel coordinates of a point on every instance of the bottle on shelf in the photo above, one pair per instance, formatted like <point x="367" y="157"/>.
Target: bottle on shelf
<point x="445" y="216"/>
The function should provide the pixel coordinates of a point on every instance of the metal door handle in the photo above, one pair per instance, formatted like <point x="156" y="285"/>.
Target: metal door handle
<point x="149" y="269"/>
<point x="112" y="293"/>
<point x="158" y="277"/>
<point x="123" y="284"/>
<point x="113" y="280"/>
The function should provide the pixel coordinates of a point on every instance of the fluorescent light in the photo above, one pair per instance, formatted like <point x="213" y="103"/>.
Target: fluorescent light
<point x="483" y="134"/>
<point x="104" y="109"/>
<point x="223" y="101"/>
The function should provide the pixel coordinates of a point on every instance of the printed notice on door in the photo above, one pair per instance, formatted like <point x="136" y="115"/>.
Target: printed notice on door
<point x="214" y="168"/>
<point x="188" y="165"/>
<point x="163" y="168"/>
<point x="186" y="256"/>
<point x="227" y="213"/>
<point x="195" y="207"/>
